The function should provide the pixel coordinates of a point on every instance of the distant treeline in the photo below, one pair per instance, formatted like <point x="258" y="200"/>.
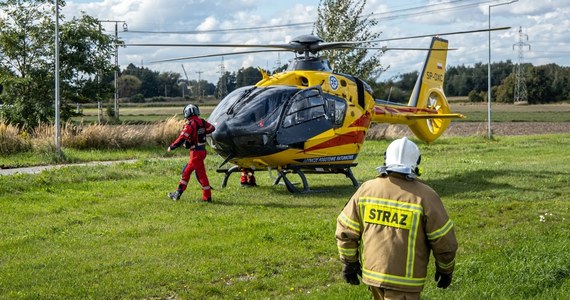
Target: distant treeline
<point x="538" y="84"/>
<point x="140" y="83"/>
<point x="543" y="84"/>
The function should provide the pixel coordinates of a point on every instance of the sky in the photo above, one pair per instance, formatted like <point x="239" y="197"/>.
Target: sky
<point x="540" y="31"/>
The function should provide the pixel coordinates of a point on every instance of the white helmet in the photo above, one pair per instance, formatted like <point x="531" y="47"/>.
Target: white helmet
<point x="191" y="110"/>
<point x="402" y="156"/>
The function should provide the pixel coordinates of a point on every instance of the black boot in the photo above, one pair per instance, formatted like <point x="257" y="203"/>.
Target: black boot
<point x="175" y="195"/>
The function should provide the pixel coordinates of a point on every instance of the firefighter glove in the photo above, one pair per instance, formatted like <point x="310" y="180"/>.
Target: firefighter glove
<point x="350" y="272"/>
<point x="443" y="280"/>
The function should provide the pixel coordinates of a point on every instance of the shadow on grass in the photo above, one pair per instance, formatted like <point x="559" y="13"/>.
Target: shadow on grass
<point x="273" y="204"/>
<point x="484" y="181"/>
<point x="277" y="196"/>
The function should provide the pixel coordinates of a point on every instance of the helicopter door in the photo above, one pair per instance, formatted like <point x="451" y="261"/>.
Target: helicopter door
<point x="305" y="117"/>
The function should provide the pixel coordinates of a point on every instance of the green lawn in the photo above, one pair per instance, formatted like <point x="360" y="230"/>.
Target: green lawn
<point x="109" y="232"/>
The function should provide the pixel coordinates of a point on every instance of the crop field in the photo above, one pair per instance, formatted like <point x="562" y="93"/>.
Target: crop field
<point x="110" y="232"/>
<point x="140" y="114"/>
<point x="474" y="112"/>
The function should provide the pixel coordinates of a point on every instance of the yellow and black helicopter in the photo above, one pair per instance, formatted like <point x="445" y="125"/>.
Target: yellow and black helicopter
<point x="309" y="119"/>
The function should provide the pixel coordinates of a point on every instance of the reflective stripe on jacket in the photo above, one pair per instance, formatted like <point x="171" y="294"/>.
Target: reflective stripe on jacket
<point x="392" y="224"/>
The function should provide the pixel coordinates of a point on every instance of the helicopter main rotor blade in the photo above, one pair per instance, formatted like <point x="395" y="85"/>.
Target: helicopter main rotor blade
<point x="441" y="34"/>
<point x="384" y="49"/>
<point x="214" y="55"/>
<point x="302" y="44"/>
<point x="278" y="46"/>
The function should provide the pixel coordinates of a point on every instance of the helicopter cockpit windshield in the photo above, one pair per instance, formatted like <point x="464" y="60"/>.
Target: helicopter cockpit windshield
<point x="254" y="120"/>
<point x="262" y="107"/>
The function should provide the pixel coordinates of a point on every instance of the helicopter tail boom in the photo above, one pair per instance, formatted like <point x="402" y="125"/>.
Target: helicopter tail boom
<point x="438" y="116"/>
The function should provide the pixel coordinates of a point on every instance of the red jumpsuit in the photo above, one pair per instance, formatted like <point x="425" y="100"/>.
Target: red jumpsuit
<point x="194" y="135"/>
<point x="247" y="177"/>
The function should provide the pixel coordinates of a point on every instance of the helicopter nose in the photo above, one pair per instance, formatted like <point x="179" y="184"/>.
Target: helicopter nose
<point x="222" y="140"/>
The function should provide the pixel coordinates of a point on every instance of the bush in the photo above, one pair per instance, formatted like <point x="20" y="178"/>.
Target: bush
<point x="13" y="140"/>
<point x="110" y="111"/>
<point x="476" y="97"/>
<point x="138" y="98"/>
<point x="158" y="99"/>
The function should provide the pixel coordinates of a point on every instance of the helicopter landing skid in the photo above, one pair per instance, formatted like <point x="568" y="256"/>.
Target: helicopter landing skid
<point x="228" y="172"/>
<point x="300" y="170"/>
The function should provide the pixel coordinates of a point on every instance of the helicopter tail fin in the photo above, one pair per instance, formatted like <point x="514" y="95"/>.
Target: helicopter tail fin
<point x="428" y="94"/>
<point x="433" y="71"/>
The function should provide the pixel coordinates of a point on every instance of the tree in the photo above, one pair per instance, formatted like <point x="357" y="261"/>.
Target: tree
<point x="226" y="84"/>
<point x="27" y="56"/>
<point x="341" y="20"/>
<point x="169" y="83"/>
<point x="128" y="85"/>
<point x="506" y="91"/>
<point x="248" y="76"/>
<point x="538" y="86"/>
<point x="150" y="80"/>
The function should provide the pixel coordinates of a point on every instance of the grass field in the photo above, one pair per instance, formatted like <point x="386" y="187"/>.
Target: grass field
<point x="514" y="113"/>
<point x="109" y="232"/>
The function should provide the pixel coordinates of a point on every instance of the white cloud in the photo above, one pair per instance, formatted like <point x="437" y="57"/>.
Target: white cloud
<point x="546" y="23"/>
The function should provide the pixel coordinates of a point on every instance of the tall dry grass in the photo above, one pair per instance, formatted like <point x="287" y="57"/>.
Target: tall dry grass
<point x="13" y="140"/>
<point x="95" y="136"/>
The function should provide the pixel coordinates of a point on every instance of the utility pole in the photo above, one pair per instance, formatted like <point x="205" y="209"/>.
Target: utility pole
<point x="199" y="88"/>
<point x="520" y="88"/>
<point x="222" y="88"/>
<point x="187" y="81"/>
<point x="57" y="104"/>
<point x="489" y="90"/>
<point x="125" y="28"/>
<point x="278" y="62"/>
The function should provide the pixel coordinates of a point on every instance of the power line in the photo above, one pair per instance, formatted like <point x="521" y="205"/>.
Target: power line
<point x="257" y="28"/>
<point x="395" y="14"/>
<point x="437" y="7"/>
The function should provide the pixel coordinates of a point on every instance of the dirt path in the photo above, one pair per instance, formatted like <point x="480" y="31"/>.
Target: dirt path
<point x="476" y="128"/>
<point x="38" y="169"/>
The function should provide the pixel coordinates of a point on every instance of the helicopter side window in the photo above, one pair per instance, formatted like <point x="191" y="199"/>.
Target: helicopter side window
<point x="339" y="112"/>
<point x="336" y="109"/>
<point x="306" y="106"/>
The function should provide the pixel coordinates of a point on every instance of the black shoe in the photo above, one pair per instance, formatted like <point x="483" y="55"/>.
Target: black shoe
<point x="175" y="195"/>
<point x="208" y="200"/>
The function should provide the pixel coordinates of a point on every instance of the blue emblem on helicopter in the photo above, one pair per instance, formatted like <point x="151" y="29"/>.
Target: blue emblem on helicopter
<point x="333" y="82"/>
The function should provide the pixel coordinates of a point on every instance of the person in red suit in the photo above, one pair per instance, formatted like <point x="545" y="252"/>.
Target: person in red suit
<point x="247" y="177"/>
<point x="193" y="137"/>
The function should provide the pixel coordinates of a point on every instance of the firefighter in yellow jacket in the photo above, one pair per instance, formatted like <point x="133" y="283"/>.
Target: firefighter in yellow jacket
<point x="387" y="230"/>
